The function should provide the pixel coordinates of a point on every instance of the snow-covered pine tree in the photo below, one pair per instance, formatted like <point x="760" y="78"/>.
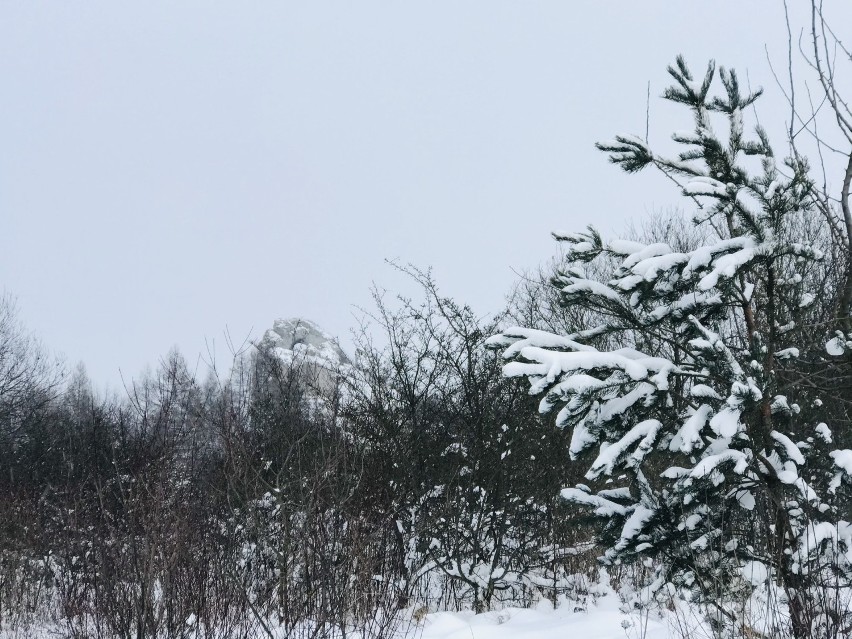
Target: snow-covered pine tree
<point x="691" y="388"/>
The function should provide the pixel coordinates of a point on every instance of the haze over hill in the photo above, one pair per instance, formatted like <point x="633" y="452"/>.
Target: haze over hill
<point x="159" y="162"/>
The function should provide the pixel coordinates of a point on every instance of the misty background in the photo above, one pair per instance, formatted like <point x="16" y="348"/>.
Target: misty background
<point x="169" y="170"/>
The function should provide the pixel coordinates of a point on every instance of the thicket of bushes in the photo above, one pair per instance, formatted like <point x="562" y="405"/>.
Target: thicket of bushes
<point x="419" y="477"/>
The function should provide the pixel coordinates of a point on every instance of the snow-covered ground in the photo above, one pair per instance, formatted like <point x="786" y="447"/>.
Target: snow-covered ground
<point x="600" y="612"/>
<point x="603" y="620"/>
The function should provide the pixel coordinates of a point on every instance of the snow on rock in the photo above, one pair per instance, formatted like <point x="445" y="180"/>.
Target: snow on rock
<point x="301" y="343"/>
<point x="296" y="337"/>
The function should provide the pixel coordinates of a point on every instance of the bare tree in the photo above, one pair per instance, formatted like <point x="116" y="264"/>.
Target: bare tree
<point x="29" y="376"/>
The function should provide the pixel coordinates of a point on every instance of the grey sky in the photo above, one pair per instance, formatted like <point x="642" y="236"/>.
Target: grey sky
<point x="167" y="169"/>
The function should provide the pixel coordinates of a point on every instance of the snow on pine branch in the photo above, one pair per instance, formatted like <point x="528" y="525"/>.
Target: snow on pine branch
<point x="677" y="376"/>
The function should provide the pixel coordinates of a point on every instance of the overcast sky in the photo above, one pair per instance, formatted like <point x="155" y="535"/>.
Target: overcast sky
<point x="168" y="169"/>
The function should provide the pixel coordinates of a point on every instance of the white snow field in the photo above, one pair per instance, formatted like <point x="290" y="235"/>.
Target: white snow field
<point x="607" y="617"/>
<point x="603" y="620"/>
<point x="604" y="614"/>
